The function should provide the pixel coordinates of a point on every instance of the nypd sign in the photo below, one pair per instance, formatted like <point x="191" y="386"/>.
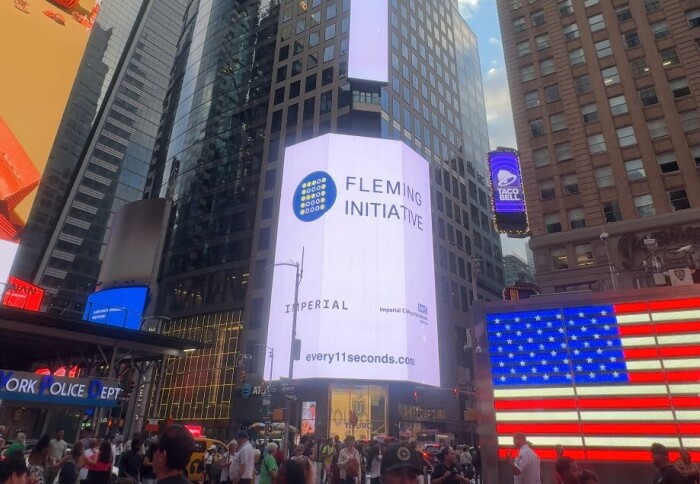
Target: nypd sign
<point x="29" y="387"/>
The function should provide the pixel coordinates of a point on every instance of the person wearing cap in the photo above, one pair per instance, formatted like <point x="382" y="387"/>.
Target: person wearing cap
<point x="401" y="465"/>
<point x="668" y="473"/>
<point x="245" y="458"/>
<point x="172" y="455"/>
<point x="526" y="466"/>
<point x="446" y="470"/>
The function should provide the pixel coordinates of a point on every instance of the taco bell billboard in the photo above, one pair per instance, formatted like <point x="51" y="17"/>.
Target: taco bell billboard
<point x="507" y="192"/>
<point x="359" y="209"/>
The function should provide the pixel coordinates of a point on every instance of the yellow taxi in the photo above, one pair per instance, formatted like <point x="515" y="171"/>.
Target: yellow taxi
<point x="195" y="468"/>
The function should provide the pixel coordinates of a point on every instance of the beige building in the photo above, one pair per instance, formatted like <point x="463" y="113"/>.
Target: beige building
<point x="605" y="103"/>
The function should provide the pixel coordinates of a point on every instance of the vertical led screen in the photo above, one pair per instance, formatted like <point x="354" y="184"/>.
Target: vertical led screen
<point x="43" y="44"/>
<point x="602" y="379"/>
<point x="507" y="193"/>
<point x="359" y="210"/>
<point x="368" y="55"/>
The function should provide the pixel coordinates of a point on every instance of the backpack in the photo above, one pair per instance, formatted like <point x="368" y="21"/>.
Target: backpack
<point x="68" y="473"/>
<point x="352" y="468"/>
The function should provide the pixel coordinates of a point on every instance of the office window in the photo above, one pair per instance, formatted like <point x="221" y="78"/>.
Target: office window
<point x="537" y="128"/>
<point x="657" y="128"/>
<point x="669" y="57"/>
<point x="312" y="60"/>
<point x="695" y="153"/>
<point x="583" y="84"/>
<point x="296" y="67"/>
<point x="547" y="189"/>
<point x="644" y="205"/>
<point x="693" y="17"/>
<point x="679" y="87"/>
<point x="596" y="22"/>
<point x="551" y="93"/>
<point x="603" y="48"/>
<point x="537" y="18"/>
<point x="326" y="102"/>
<point x="329" y="53"/>
<point x="635" y="170"/>
<point x="294" y="89"/>
<point x="298" y="46"/>
<point x="589" y="112"/>
<point x="557" y="121"/>
<point x="292" y="115"/>
<point x="584" y="255"/>
<point x="527" y="73"/>
<point x="331" y="12"/>
<point x="611" y="211"/>
<point x="618" y="105"/>
<point x="626" y="137"/>
<point x="631" y="39"/>
<point x="577" y="218"/>
<point x="660" y="29"/>
<point x="679" y="199"/>
<point x="639" y="66"/>
<point x="576" y="57"/>
<point x="569" y="184"/>
<point x="523" y="48"/>
<point x="532" y="99"/>
<point x="559" y="259"/>
<point x="590" y="3"/>
<point x="552" y="223"/>
<point x="309" y="106"/>
<point x="301" y="25"/>
<point x="310" y="83"/>
<point x="652" y="5"/>
<point x="279" y="96"/>
<point x="648" y="96"/>
<point x="604" y="177"/>
<point x="690" y="120"/>
<point x="547" y="67"/>
<point x="327" y="76"/>
<point x="623" y="13"/>
<point x="571" y="31"/>
<point x="563" y="151"/>
<point x="596" y="144"/>
<point x="542" y="42"/>
<point x="314" y="39"/>
<point x="610" y="76"/>
<point x="565" y="8"/>
<point x="518" y="25"/>
<point x="330" y="32"/>
<point x="667" y="162"/>
<point x="516" y="4"/>
<point x="540" y="157"/>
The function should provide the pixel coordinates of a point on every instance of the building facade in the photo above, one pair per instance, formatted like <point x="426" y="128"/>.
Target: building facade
<point x="605" y="103"/>
<point x="516" y="269"/>
<point x="102" y="150"/>
<point x="255" y="77"/>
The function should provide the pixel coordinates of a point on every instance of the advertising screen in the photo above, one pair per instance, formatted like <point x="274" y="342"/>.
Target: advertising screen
<point x="23" y="295"/>
<point x="507" y="192"/>
<point x="603" y="379"/>
<point x="368" y="51"/>
<point x="43" y="44"/>
<point x="358" y="209"/>
<point x="121" y="307"/>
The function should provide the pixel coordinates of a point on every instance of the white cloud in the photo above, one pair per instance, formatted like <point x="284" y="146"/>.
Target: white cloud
<point x="468" y="8"/>
<point x="494" y="41"/>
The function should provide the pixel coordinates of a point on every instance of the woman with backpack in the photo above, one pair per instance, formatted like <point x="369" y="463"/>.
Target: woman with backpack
<point x="349" y="462"/>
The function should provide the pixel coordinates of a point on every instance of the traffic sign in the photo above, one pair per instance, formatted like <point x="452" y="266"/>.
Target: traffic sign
<point x="292" y="398"/>
<point x="288" y="389"/>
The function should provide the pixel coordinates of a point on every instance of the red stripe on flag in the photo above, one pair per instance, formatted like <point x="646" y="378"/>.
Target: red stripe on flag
<point x="693" y="303"/>
<point x="619" y="455"/>
<point x="542" y="452"/>
<point x="638" y="307"/>
<point x="637" y="329"/>
<point x="538" y="428"/>
<point x="549" y="404"/>
<point x="596" y="455"/>
<point x="665" y="351"/>
<point x="658" y="376"/>
<point x="687" y="429"/>
<point x="611" y="429"/>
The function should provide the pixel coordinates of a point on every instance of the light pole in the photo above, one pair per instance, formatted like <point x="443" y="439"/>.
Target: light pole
<point x="299" y="266"/>
<point x="475" y="270"/>
<point x="611" y="265"/>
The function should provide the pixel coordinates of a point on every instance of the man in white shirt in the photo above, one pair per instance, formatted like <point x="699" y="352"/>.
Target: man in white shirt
<point x="225" y="462"/>
<point x="245" y="459"/>
<point x="526" y="466"/>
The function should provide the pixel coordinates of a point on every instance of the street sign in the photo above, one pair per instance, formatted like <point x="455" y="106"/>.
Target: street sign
<point x="292" y="398"/>
<point x="266" y="400"/>
<point x="288" y="389"/>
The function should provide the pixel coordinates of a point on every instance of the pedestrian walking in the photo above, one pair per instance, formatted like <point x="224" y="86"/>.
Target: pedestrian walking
<point x="400" y="465"/>
<point x="568" y="470"/>
<point x="148" y="475"/>
<point x="69" y="467"/>
<point x="131" y="463"/>
<point x="58" y="449"/>
<point x="446" y="470"/>
<point x="526" y="465"/>
<point x="689" y="470"/>
<point x="90" y="451"/>
<point x="171" y="455"/>
<point x="99" y="465"/>
<point x="17" y="447"/>
<point x="268" y="468"/>
<point x="349" y="462"/>
<point x="668" y="473"/>
<point x="245" y="459"/>
<point x="225" y="462"/>
<point x="327" y="451"/>
<point x="38" y="459"/>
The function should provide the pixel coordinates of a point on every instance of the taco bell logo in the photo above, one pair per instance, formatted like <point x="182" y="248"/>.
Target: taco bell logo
<point x="506" y="178"/>
<point x="314" y="196"/>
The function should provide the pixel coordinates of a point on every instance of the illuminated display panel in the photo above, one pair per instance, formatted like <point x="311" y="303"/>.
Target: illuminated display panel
<point x="602" y="380"/>
<point x="122" y="307"/>
<point x="368" y="405"/>
<point x="23" y="295"/>
<point x="45" y="44"/>
<point x="368" y="56"/>
<point x="359" y="208"/>
<point x="507" y="193"/>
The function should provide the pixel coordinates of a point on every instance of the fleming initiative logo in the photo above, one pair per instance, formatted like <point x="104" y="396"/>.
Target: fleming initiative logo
<point x="314" y="196"/>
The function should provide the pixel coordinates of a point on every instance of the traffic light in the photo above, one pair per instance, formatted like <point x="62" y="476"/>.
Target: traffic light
<point x="415" y="396"/>
<point x="455" y="393"/>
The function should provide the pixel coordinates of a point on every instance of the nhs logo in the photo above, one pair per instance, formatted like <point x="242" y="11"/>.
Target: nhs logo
<point x="422" y="309"/>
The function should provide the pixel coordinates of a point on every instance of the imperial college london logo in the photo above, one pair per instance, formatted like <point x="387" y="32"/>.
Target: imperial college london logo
<point x="314" y="196"/>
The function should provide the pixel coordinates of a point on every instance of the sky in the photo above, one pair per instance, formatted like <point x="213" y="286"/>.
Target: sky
<point x="482" y="17"/>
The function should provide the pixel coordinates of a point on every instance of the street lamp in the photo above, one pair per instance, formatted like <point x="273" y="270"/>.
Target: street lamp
<point x="611" y="265"/>
<point x="475" y="270"/>
<point x="297" y="281"/>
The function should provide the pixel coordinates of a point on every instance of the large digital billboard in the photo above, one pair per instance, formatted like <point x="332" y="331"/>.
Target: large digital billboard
<point x="43" y="44"/>
<point x="507" y="193"/>
<point x="368" y="51"/>
<point x="359" y="210"/>
<point x="121" y="307"/>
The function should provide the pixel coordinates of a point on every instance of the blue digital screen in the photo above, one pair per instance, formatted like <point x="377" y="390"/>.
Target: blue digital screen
<point x="121" y="307"/>
<point x="507" y="191"/>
